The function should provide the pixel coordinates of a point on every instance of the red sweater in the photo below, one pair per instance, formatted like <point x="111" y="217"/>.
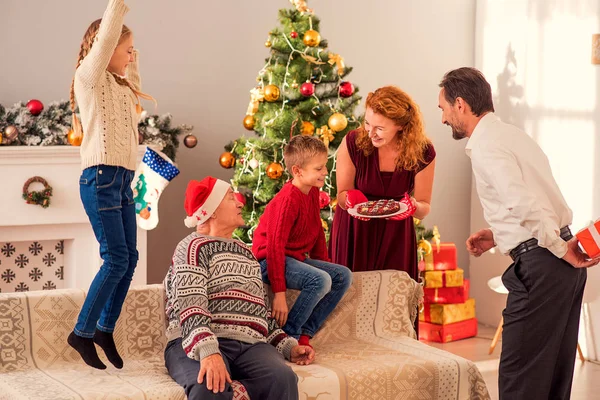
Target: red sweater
<point x="290" y="226"/>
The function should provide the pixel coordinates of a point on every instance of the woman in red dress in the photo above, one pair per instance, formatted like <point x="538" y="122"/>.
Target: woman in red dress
<point x="388" y="156"/>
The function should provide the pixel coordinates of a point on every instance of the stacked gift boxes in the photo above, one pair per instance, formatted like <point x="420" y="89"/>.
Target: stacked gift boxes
<point x="448" y="313"/>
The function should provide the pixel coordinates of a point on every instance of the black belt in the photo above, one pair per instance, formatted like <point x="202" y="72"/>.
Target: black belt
<point x="528" y="245"/>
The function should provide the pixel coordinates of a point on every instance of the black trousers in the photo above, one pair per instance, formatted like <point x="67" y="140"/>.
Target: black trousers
<point x="541" y="325"/>
<point x="259" y="367"/>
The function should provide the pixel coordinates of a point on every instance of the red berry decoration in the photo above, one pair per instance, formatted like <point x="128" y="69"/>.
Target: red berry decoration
<point x="346" y="89"/>
<point x="294" y="34"/>
<point x="307" y="89"/>
<point x="35" y="107"/>
<point x="324" y="199"/>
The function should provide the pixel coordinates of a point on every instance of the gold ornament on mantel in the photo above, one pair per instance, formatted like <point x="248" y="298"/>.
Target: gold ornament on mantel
<point x="338" y="122"/>
<point x="271" y="93"/>
<point x="312" y="38"/>
<point x="301" y="6"/>
<point x="74" y="139"/>
<point x="327" y="135"/>
<point x="10" y="134"/>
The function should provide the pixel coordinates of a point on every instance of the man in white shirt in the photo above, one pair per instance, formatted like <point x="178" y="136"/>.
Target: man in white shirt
<point x="529" y="220"/>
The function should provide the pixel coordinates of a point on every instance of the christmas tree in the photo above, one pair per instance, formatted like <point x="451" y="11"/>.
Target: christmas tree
<point x="301" y="90"/>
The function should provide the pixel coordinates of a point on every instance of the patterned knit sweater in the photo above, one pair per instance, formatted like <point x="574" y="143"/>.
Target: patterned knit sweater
<point x="108" y="109"/>
<point x="214" y="289"/>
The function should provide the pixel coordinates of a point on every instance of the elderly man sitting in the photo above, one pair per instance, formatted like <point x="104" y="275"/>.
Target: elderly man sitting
<point x="220" y="326"/>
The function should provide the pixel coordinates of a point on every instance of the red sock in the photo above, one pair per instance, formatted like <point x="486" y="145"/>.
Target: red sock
<point x="304" y="341"/>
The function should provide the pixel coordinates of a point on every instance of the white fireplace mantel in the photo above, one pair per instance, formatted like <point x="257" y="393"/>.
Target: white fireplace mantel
<point x="64" y="219"/>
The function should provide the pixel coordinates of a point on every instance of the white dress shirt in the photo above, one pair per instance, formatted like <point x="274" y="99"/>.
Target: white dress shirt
<point x="519" y="195"/>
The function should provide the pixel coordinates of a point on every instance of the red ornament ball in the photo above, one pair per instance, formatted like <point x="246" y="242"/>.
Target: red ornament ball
<point x="35" y="107"/>
<point x="324" y="199"/>
<point x="307" y="89"/>
<point x="240" y="197"/>
<point x="346" y="89"/>
<point x="294" y="35"/>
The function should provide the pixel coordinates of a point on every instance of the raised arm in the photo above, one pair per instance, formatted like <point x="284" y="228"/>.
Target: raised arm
<point x="96" y="61"/>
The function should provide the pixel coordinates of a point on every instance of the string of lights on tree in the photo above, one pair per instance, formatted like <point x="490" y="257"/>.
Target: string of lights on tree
<point x="301" y="90"/>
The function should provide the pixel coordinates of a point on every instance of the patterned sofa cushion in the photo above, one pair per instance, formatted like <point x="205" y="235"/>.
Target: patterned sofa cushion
<point x="365" y="350"/>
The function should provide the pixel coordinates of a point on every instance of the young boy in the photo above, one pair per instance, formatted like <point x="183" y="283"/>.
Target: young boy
<point x="288" y="231"/>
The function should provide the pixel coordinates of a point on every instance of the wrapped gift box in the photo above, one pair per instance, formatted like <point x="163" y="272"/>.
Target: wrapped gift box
<point x="441" y="279"/>
<point x="589" y="238"/>
<point x="448" y="313"/>
<point x="442" y="260"/>
<point x="447" y="295"/>
<point x="447" y="333"/>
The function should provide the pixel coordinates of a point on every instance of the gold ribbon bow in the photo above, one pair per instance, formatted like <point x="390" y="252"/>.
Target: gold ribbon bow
<point x="301" y="6"/>
<point x="339" y="61"/>
<point x="257" y="95"/>
<point x="327" y="135"/>
<point x="436" y="238"/>
<point x="311" y="59"/>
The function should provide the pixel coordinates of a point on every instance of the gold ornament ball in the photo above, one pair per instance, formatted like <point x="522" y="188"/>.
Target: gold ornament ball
<point x="312" y="38"/>
<point x="190" y="141"/>
<point x="10" y="134"/>
<point x="425" y="247"/>
<point x="295" y="85"/>
<point x="268" y="43"/>
<point x="337" y="122"/>
<point x="271" y="93"/>
<point x="334" y="204"/>
<point x="274" y="170"/>
<point x="308" y="129"/>
<point x="74" y="139"/>
<point x="249" y="122"/>
<point x="227" y="160"/>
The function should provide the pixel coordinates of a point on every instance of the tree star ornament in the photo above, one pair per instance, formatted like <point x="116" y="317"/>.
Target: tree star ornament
<point x="301" y="6"/>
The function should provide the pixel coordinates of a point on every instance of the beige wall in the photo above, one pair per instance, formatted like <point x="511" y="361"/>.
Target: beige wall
<point x="200" y="58"/>
<point x="543" y="81"/>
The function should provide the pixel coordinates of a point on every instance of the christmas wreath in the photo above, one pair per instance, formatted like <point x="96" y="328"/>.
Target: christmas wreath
<point x="40" y="197"/>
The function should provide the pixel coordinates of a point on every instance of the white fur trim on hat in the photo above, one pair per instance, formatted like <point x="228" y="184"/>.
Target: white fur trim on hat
<point x="206" y="210"/>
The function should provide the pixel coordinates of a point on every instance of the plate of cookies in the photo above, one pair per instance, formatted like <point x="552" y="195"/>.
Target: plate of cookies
<point x="378" y="209"/>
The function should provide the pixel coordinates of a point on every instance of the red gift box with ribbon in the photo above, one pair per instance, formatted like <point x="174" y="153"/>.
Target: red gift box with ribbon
<point x="447" y="295"/>
<point x="441" y="258"/>
<point x="589" y="238"/>
<point x="447" y="333"/>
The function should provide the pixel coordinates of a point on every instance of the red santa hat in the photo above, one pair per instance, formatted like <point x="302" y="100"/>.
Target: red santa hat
<point x="202" y="199"/>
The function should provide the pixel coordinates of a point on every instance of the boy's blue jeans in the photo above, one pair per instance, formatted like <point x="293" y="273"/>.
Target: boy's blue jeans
<point x="322" y="285"/>
<point x="108" y="201"/>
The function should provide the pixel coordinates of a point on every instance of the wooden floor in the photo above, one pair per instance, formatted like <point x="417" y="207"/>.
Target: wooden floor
<point x="586" y="382"/>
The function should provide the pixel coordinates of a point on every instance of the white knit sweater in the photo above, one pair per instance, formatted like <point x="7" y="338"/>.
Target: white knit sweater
<point x="107" y="109"/>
